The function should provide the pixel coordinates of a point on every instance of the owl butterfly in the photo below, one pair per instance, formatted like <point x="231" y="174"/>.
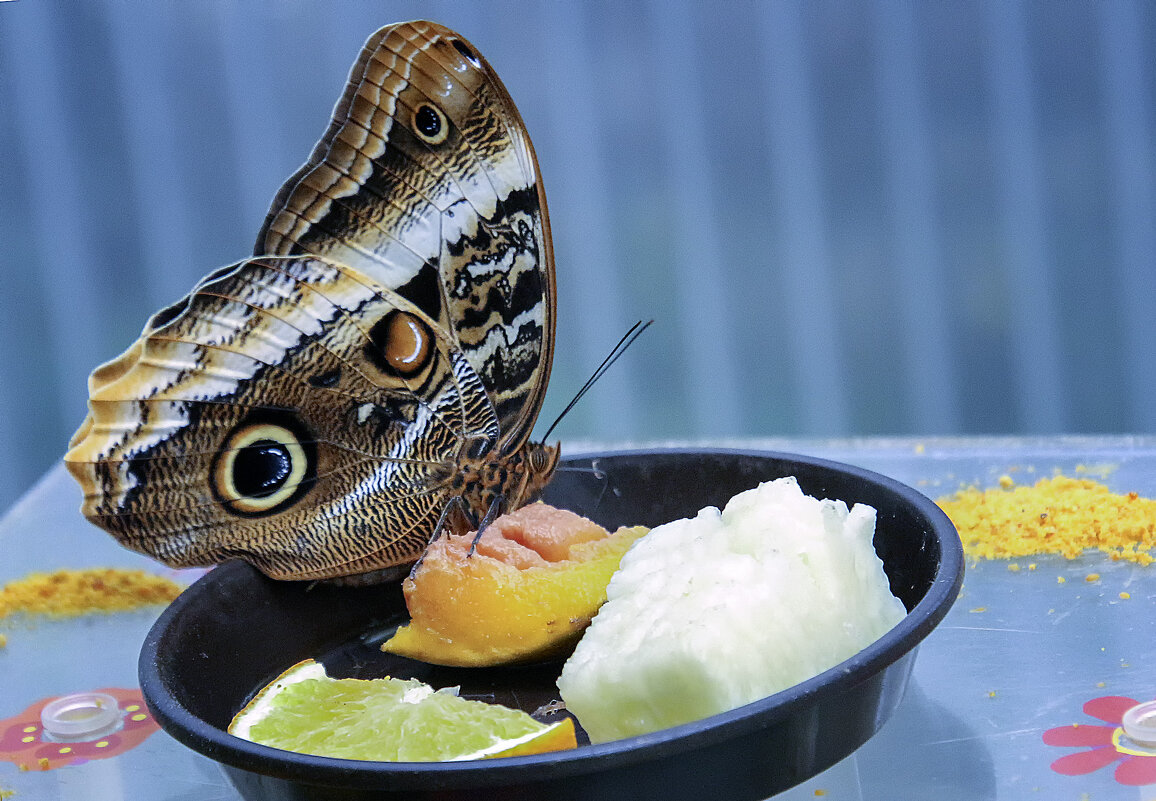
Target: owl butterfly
<point x="322" y="408"/>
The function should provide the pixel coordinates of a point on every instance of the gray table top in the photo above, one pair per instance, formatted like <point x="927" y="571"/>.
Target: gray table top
<point x="1021" y="652"/>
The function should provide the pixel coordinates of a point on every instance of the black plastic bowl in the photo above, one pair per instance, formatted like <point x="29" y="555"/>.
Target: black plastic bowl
<point x="234" y="630"/>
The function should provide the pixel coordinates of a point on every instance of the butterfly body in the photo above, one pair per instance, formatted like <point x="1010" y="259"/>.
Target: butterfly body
<point x="313" y="409"/>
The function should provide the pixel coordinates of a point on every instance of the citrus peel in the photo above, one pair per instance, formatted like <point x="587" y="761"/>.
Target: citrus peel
<point x="389" y="720"/>
<point x="523" y="591"/>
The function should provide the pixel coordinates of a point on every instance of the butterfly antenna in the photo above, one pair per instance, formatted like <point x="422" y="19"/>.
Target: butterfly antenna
<point x="624" y="343"/>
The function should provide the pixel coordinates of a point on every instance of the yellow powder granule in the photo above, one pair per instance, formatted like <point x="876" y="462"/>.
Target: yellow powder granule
<point x="67" y="593"/>
<point x="1059" y="515"/>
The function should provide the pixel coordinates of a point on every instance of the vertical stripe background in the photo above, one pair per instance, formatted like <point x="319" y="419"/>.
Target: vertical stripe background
<point x="879" y="217"/>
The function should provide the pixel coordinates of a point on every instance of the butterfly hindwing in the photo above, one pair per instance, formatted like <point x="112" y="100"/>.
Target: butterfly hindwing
<point x="366" y="403"/>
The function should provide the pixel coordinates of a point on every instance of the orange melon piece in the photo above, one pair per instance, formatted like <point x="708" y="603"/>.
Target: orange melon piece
<point x="530" y="587"/>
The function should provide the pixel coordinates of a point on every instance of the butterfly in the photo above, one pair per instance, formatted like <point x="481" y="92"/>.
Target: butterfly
<point x="372" y="374"/>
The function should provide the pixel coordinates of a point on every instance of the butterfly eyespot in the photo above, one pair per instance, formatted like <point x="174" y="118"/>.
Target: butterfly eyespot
<point x="401" y="344"/>
<point x="262" y="469"/>
<point x="468" y="54"/>
<point x="429" y="123"/>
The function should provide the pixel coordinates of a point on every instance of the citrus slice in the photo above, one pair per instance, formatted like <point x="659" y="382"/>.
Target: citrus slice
<point x="524" y="591"/>
<point x="388" y="720"/>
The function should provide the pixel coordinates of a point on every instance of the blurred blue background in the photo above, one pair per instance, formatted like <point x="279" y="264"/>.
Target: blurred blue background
<point x="846" y="218"/>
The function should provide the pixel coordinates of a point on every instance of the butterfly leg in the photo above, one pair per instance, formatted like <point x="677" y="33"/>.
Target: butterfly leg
<point x="497" y="507"/>
<point x="455" y="517"/>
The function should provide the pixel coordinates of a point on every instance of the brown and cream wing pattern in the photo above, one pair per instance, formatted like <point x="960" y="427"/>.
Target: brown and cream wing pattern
<point x="427" y="181"/>
<point x="313" y="409"/>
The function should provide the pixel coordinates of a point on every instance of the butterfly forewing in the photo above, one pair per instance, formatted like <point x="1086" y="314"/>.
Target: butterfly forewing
<point x="427" y="181"/>
<point x="315" y="408"/>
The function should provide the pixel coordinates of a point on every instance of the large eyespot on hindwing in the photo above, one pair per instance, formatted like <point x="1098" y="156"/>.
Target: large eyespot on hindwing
<point x="401" y="344"/>
<point x="264" y="467"/>
<point x="430" y="124"/>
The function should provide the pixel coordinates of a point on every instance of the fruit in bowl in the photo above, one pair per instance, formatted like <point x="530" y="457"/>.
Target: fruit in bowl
<point x="522" y="591"/>
<point x="234" y="629"/>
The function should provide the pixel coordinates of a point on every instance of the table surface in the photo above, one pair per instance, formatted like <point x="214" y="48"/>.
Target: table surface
<point x="1020" y="653"/>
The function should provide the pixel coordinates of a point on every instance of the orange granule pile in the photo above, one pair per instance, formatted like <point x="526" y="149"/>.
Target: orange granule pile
<point x="1055" y="515"/>
<point x="67" y="593"/>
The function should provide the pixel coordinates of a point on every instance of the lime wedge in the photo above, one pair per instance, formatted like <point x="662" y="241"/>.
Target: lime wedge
<point x="388" y="720"/>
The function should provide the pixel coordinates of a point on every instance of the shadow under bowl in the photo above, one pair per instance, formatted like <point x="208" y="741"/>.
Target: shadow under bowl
<point x="234" y="630"/>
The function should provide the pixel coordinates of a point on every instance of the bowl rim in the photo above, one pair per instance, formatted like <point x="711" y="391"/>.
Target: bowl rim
<point x="196" y="733"/>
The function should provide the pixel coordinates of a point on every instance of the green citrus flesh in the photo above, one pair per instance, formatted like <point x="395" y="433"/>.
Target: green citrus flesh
<point x="389" y="720"/>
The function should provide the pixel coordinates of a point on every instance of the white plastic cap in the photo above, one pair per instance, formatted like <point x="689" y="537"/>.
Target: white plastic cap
<point x="1139" y="723"/>
<point x="81" y="716"/>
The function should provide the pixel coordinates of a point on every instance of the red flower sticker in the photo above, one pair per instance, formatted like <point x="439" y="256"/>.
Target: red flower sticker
<point x="1104" y="744"/>
<point x="25" y="741"/>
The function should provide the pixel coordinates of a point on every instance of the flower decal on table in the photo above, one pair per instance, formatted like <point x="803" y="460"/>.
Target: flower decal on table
<point x="1104" y="745"/>
<point x="25" y="742"/>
